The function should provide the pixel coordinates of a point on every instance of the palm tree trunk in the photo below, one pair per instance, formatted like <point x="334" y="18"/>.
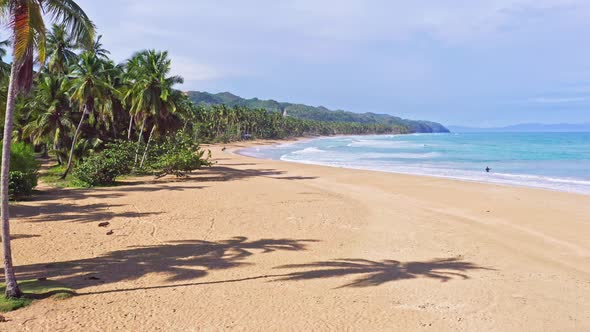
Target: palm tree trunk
<point x="130" y="126"/>
<point x="45" y="152"/>
<point x="139" y="141"/>
<point x="147" y="146"/>
<point x="56" y="150"/>
<point x="74" y="144"/>
<point x="57" y="145"/>
<point x="12" y="289"/>
<point x="114" y="128"/>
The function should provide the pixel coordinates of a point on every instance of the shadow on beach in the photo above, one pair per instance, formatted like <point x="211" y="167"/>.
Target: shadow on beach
<point x="66" y="204"/>
<point x="183" y="262"/>
<point x="375" y="273"/>
<point x="224" y="173"/>
<point x="178" y="261"/>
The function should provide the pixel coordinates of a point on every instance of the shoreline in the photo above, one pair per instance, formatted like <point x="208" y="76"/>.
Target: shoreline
<point x="266" y="143"/>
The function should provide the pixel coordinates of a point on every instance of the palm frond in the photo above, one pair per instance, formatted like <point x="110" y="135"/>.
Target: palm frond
<point x="77" y="23"/>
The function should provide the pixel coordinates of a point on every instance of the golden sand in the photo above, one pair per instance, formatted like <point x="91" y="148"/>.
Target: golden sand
<point x="263" y="245"/>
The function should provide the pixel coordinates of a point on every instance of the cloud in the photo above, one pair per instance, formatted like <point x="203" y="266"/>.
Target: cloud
<point x="422" y="58"/>
<point x="558" y="100"/>
<point x="192" y="70"/>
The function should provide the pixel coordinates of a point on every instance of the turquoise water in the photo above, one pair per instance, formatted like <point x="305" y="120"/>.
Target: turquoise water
<point x="559" y="161"/>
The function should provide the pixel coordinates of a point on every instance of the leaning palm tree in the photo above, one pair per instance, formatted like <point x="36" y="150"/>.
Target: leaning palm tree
<point x="25" y="19"/>
<point x="91" y="90"/>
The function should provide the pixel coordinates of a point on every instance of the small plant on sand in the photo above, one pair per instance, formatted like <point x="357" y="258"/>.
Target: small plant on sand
<point x="34" y="290"/>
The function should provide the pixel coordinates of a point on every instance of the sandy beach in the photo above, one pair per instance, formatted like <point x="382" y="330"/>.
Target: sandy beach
<point x="260" y="245"/>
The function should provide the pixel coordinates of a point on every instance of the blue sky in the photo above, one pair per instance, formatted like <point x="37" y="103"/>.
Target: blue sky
<point x="469" y="62"/>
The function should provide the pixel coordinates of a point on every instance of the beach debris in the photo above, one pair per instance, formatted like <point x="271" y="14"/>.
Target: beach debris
<point x="42" y="279"/>
<point x="93" y="278"/>
<point x="3" y="319"/>
<point x="110" y="232"/>
<point x="104" y="224"/>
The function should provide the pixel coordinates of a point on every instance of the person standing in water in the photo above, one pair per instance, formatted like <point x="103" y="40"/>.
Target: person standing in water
<point x="488" y="169"/>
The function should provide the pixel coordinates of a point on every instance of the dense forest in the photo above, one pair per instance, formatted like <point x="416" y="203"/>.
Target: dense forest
<point x="320" y="113"/>
<point x="221" y="123"/>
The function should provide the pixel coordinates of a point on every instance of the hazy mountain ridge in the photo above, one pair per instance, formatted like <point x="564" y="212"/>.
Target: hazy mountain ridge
<point x="527" y="127"/>
<point x="319" y="113"/>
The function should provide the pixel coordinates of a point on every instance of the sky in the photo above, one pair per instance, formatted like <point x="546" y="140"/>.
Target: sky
<point x="459" y="62"/>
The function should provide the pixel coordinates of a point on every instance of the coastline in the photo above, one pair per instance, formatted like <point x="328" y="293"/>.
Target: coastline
<point x="344" y="248"/>
<point x="239" y="146"/>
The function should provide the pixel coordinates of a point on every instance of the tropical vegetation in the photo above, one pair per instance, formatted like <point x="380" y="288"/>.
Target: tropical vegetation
<point x="25" y="20"/>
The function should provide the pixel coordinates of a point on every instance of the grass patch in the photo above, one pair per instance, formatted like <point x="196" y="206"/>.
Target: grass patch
<point x="34" y="290"/>
<point x="52" y="176"/>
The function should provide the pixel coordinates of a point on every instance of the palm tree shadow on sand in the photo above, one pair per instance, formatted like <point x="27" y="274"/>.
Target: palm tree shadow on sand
<point x="179" y="261"/>
<point x="375" y="273"/>
<point x="188" y="263"/>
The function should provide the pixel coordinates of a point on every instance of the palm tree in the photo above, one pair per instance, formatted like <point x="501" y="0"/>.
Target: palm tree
<point x="50" y="121"/>
<point x="91" y="90"/>
<point x="4" y="67"/>
<point x="151" y="95"/>
<point x="98" y="49"/>
<point x="4" y="73"/>
<point x="25" y="19"/>
<point x="116" y="79"/>
<point x="60" y="47"/>
<point x="130" y="76"/>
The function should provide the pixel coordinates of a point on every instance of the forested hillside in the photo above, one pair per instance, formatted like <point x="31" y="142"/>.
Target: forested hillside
<point x="320" y="113"/>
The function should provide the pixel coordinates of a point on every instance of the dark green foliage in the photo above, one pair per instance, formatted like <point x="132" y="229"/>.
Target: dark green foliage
<point x="22" y="158"/>
<point x="23" y="171"/>
<point x="21" y="184"/>
<point x="178" y="155"/>
<point x="104" y="167"/>
<point x="219" y="123"/>
<point x="305" y="112"/>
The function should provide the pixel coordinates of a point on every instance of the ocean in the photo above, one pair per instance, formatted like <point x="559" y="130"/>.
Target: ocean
<point x="558" y="161"/>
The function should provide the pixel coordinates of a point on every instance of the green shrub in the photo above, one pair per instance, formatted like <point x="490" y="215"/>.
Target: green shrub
<point x="178" y="155"/>
<point x="104" y="167"/>
<point x="21" y="184"/>
<point x="22" y="158"/>
<point x="23" y="170"/>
